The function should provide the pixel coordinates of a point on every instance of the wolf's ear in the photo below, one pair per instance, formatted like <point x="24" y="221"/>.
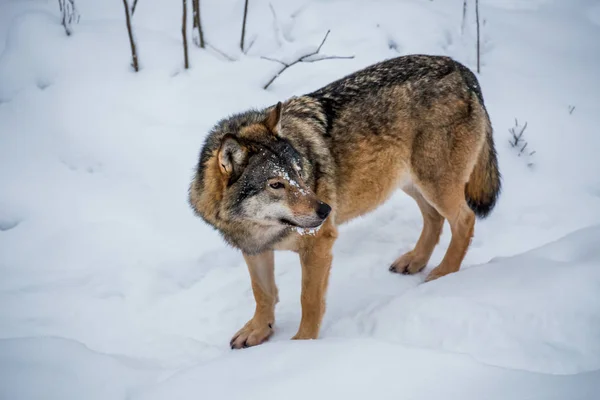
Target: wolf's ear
<point x="232" y="156"/>
<point x="273" y="120"/>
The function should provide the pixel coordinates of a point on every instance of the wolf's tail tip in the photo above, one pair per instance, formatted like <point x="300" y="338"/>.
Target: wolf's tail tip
<point x="482" y="209"/>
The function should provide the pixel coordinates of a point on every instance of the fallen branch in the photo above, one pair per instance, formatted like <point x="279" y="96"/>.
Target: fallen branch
<point x="305" y="58"/>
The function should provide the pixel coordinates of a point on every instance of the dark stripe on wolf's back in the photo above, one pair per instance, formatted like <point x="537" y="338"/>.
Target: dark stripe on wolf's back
<point x="311" y="116"/>
<point x="392" y="72"/>
<point x="470" y="80"/>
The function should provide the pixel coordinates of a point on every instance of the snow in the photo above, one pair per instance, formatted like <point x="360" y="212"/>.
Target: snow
<point x="112" y="289"/>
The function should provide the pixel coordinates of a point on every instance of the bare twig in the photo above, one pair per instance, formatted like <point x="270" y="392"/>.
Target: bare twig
<point x="134" y="57"/>
<point x="244" y="25"/>
<point x="571" y="109"/>
<point x="227" y="56"/>
<point x="276" y="27"/>
<point x="478" y="44"/>
<point x="517" y="136"/>
<point x="75" y="14"/>
<point x="464" y="18"/>
<point x="275" y="21"/>
<point x="69" y="14"/>
<point x="186" y="61"/>
<point x="305" y="58"/>
<point x="250" y="45"/>
<point x="133" y="7"/>
<point x="198" y="23"/>
<point x="321" y="45"/>
<point x="518" y="142"/>
<point x="274" y="60"/>
<point x="329" y="58"/>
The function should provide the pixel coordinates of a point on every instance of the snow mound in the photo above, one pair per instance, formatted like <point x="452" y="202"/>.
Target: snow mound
<point x="59" y="369"/>
<point x="359" y="369"/>
<point x="538" y="311"/>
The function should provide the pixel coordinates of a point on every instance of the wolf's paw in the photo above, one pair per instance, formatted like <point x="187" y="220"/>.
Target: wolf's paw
<point x="409" y="264"/>
<point x="304" y="336"/>
<point x="437" y="273"/>
<point x="307" y="330"/>
<point x="252" y="334"/>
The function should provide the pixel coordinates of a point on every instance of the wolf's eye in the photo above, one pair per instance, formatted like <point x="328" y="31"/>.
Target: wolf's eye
<point x="276" y="185"/>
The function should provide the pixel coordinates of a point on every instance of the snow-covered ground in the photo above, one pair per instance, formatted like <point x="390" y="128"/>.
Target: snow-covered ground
<point x="110" y="288"/>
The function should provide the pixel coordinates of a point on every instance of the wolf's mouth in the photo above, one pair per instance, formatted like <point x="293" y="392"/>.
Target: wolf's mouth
<point x="295" y="225"/>
<point x="288" y="222"/>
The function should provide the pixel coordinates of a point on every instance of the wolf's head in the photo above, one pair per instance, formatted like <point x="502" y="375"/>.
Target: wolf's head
<point x="252" y="184"/>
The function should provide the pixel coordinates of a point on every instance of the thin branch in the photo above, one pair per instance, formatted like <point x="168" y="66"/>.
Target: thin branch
<point x="517" y="137"/>
<point x="198" y="23"/>
<point x="75" y="12"/>
<point x="323" y="41"/>
<point x="133" y="7"/>
<point x="250" y="45"/>
<point x="274" y="60"/>
<point x="227" y="56"/>
<point x="304" y="58"/>
<point x="244" y="25"/>
<point x="275" y="24"/>
<point x="478" y="42"/>
<point x="330" y="58"/>
<point x="131" y="40"/>
<point x="186" y="61"/>
<point x="464" y="18"/>
<point x="519" y="143"/>
<point x="69" y="14"/>
<point x="63" y="8"/>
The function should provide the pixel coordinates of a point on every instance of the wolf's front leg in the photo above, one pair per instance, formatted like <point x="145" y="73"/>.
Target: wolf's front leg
<point x="260" y="327"/>
<point x="315" y="257"/>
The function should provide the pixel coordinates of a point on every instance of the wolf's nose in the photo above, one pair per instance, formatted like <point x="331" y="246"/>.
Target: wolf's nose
<point x="323" y="210"/>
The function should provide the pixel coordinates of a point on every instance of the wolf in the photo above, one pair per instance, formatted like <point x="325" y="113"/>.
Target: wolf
<point x="286" y="176"/>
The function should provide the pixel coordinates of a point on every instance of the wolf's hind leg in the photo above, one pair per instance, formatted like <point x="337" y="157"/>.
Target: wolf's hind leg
<point x="260" y="327"/>
<point x="452" y="205"/>
<point x="415" y="260"/>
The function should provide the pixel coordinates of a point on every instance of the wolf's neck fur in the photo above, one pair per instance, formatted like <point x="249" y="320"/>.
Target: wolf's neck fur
<point x="307" y="110"/>
<point x="305" y="124"/>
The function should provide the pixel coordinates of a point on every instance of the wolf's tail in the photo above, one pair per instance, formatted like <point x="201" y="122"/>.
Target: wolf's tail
<point x="484" y="184"/>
